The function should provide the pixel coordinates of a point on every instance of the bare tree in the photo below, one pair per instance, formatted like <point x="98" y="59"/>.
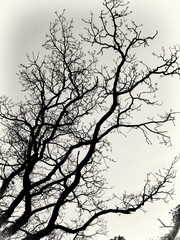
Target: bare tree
<point x="172" y="235"/>
<point x="55" y="141"/>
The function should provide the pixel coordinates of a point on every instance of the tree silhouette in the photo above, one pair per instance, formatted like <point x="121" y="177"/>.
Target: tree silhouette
<point x="54" y="142"/>
<point x="172" y="235"/>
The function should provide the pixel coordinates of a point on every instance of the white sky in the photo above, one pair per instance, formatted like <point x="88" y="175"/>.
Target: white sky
<point x="23" y="25"/>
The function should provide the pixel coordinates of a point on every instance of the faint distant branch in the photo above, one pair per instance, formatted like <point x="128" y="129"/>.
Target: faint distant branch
<point x="163" y="225"/>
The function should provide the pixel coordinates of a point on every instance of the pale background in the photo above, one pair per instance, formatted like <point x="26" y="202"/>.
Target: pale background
<point x="23" y="25"/>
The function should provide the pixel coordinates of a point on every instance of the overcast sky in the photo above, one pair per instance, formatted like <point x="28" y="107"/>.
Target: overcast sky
<point x="23" y="25"/>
